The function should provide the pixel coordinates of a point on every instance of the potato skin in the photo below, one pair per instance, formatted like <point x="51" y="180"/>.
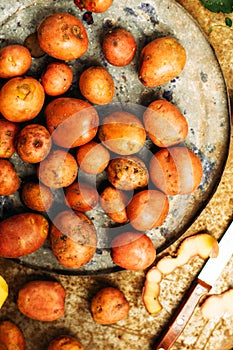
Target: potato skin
<point x="36" y="196"/>
<point x="93" y="157"/>
<point x="133" y="251"/>
<point x="11" y="337"/>
<point x="8" y="132"/>
<point x="9" y="179"/>
<point x="96" y="6"/>
<point x="81" y="196"/>
<point x="42" y="300"/>
<point x="56" y="78"/>
<point x="161" y="60"/>
<point x="62" y="36"/>
<point x="65" y="342"/>
<point x="15" y="60"/>
<point x="114" y="203"/>
<point x="109" y="306"/>
<point x="22" y="234"/>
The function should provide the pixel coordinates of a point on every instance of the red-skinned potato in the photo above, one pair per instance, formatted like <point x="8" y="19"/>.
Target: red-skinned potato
<point x="21" y="99"/>
<point x="71" y="122"/>
<point x="114" y="203"/>
<point x="42" y="300"/>
<point x="94" y="5"/>
<point x="8" y="131"/>
<point x="81" y="196"/>
<point x="62" y="36"/>
<point x="36" y="196"/>
<point x="65" y="342"/>
<point x="22" y="234"/>
<point x="9" y="179"/>
<point x="15" y="60"/>
<point x="56" y="78"/>
<point x="11" y="336"/>
<point x="133" y="251"/>
<point x="93" y="157"/>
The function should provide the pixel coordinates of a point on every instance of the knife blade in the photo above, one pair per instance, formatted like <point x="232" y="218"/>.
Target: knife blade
<point x="202" y="285"/>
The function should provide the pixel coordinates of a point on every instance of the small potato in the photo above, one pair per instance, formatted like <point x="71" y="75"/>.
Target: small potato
<point x="127" y="173"/>
<point x="176" y="170"/>
<point x="36" y="196"/>
<point x="97" y="85"/>
<point x="73" y="239"/>
<point x="11" y="337"/>
<point x="42" y="300"/>
<point x="122" y="133"/>
<point x="114" y="203"/>
<point x="56" y="78"/>
<point x="22" y="234"/>
<point x="21" y="99"/>
<point x="62" y="36"/>
<point x="8" y="131"/>
<point x="161" y="60"/>
<point x="15" y="60"/>
<point x="147" y="209"/>
<point x="58" y="170"/>
<point x="33" y="143"/>
<point x="9" y="179"/>
<point x="119" y="47"/>
<point x="165" y="124"/>
<point x="65" y="342"/>
<point x="133" y="251"/>
<point x="81" y="196"/>
<point x="32" y="44"/>
<point x="94" y="5"/>
<point x="93" y="157"/>
<point x="109" y="306"/>
<point x="71" y="122"/>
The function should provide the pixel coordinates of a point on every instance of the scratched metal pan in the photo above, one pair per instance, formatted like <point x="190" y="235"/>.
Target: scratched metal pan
<point x="199" y="92"/>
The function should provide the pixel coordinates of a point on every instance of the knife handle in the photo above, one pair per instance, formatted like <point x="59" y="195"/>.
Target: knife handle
<point x="183" y="314"/>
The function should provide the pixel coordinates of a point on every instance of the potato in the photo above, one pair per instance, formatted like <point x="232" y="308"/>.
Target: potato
<point x="161" y="60"/>
<point x="93" y="157"/>
<point x="114" y="203"/>
<point x="21" y="99"/>
<point x="97" y="85"/>
<point x="73" y="239"/>
<point x="62" y="36"/>
<point x="22" y="234"/>
<point x="11" y="337"/>
<point x="56" y="78"/>
<point x="176" y="170"/>
<point x="8" y="131"/>
<point x="122" y="133"/>
<point x="133" y="251"/>
<point x="71" y="122"/>
<point x="15" y="60"/>
<point x="65" y="342"/>
<point x="119" y="47"/>
<point x="9" y="180"/>
<point x="94" y="5"/>
<point x="58" y="170"/>
<point x="127" y="173"/>
<point x="147" y="209"/>
<point x="81" y="196"/>
<point x="33" y="143"/>
<point x="165" y="124"/>
<point x="36" y="196"/>
<point x="32" y="44"/>
<point x="42" y="300"/>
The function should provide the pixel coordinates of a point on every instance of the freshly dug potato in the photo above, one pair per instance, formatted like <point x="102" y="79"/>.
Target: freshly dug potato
<point x="94" y="5"/>
<point x="58" y="170"/>
<point x="73" y="239"/>
<point x="127" y="173"/>
<point x="71" y="122"/>
<point x="42" y="300"/>
<point x="96" y="85"/>
<point x="65" y="342"/>
<point x="32" y="44"/>
<point x="9" y="179"/>
<point x="165" y="124"/>
<point x="122" y="133"/>
<point x="15" y="60"/>
<point x="81" y="196"/>
<point x="36" y="196"/>
<point x="114" y="203"/>
<point x="161" y="60"/>
<point x="93" y="157"/>
<point x="147" y="209"/>
<point x="8" y="131"/>
<point x="33" y="143"/>
<point x="56" y="78"/>
<point x="21" y="99"/>
<point x="22" y="234"/>
<point x="62" y="36"/>
<point x="11" y="337"/>
<point x="109" y="306"/>
<point x="176" y="170"/>
<point x="119" y="47"/>
<point x="133" y="251"/>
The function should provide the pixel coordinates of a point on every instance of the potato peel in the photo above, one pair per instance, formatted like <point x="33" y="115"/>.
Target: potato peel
<point x="3" y="291"/>
<point x="217" y="305"/>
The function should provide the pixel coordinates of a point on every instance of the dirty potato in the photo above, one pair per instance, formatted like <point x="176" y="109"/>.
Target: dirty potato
<point x="8" y="132"/>
<point x="9" y="179"/>
<point x="11" y="336"/>
<point x="36" y="196"/>
<point x="65" y="342"/>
